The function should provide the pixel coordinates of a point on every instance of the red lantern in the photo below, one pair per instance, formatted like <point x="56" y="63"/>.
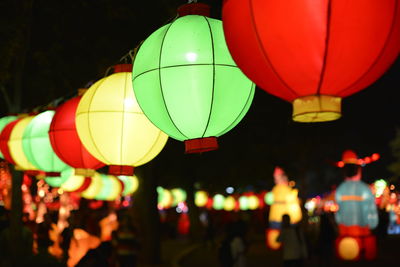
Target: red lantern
<point x="4" y="137"/>
<point x="66" y="143"/>
<point x="313" y="53"/>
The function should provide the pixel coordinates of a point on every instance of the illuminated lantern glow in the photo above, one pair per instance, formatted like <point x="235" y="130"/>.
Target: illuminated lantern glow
<point x="243" y="203"/>
<point x="200" y="198"/>
<point x="74" y="183"/>
<point x="111" y="188"/>
<point x="218" y="202"/>
<point x="131" y="184"/>
<point x="15" y="144"/>
<point x="3" y="123"/>
<point x="271" y="236"/>
<point x="37" y="147"/>
<point x="285" y="201"/>
<point x="56" y="181"/>
<point x="65" y="140"/>
<point x="357" y="212"/>
<point x="187" y="83"/>
<point x="94" y="188"/>
<point x="164" y="198"/>
<point x="4" y="137"/>
<point x="269" y="198"/>
<point x="179" y="195"/>
<point x="229" y="203"/>
<point x="113" y="128"/>
<point x="349" y="248"/>
<point x="313" y="54"/>
<point x="253" y="202"/>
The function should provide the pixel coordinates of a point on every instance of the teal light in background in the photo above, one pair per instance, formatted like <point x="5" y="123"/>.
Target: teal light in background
<point x="187" y="83"/>
<point x="37" y="147"/>
<point x="3" y="123"/>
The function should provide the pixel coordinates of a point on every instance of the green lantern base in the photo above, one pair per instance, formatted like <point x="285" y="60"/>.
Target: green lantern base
<point x="200" y="145"/>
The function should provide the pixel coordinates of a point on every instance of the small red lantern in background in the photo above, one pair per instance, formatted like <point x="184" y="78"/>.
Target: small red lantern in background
<point x="66" y="143"/>
<point x="313" y="53"/>
<point x="4" y="137"/>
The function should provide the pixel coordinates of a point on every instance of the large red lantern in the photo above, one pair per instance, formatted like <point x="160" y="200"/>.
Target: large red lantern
<point x="313" y="53"/>
<point x="66" y="143"/>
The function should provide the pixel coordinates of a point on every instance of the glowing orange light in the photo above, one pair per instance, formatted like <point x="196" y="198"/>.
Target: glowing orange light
<point x="375" y="156"/>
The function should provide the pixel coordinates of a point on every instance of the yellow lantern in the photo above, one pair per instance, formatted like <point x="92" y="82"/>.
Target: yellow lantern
<point x="16" y="147"/>
<point x="113" y="128"/>
<point x="73" y="182"/>
<point x="94" y="188"/>
<point x="229" y="203"/>
<point x="200" y="198"/>
<point x="253" y="202"/>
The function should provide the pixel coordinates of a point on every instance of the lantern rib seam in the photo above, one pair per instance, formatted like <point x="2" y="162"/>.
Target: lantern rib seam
<point x="251" y="91"/>
<point x="184" y="65"/>
<point x="327" y="39"/>
<point x="149" y="151"/>
<point x="395" y="15"/>
<point x="121" y="147"/>
<point x="88" y="121"/>
<point x="159" y="78"/>
<point x="213" y="79"/>
<point x="264" y="53"/>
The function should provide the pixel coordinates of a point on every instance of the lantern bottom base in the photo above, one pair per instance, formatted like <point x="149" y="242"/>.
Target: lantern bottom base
<point x="316" y="108"/>
<point x="120" y="170"/>
<point x="84" y="172"/>
<point x="200" y="145"/>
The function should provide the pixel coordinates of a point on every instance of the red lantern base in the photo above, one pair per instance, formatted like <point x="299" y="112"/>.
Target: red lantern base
<point x="200" y="9"/>
<point x="53" y="174"/>
<point x="120" y="170"/>
<point x="85" y="185"/>
<point x="200" y="145"/>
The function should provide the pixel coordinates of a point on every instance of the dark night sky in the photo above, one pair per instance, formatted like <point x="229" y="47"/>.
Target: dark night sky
<point x="74" y="42"/>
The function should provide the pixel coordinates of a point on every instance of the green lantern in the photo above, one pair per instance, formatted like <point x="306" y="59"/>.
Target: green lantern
<point x="3" y="123"/>
<point x="187" y="83"/>
<point x="179" y="195"/>
<point x="218" y="202"/>
<point x="243" y="203"/>
<point x="37" y="147"/>
<point x="58" y="180"/>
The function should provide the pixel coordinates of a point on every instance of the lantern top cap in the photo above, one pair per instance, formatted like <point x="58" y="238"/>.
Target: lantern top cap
<point x="200" y="9"/>
<point x="123" y="68"/>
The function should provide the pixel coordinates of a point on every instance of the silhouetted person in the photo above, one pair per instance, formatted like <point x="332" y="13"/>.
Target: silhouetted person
<point x="232" y="252"/>
<point x="126" y="243"/>
<point x="97" y="257"/>
<point x="326" y="240"/>
<point x="293" y="243"/>
<point x="43" y="258"/>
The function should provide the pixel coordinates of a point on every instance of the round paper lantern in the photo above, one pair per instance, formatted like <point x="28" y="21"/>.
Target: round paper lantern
<point x="179" y="195"/>
<point x="15" y="144"/>
<point x="56" y="181"/>
<point x="4" y="137"/>
<point x="131" y="184"/>
<point x="164" y="198"/>
<point x="3" y="123"/>
<point x="313" y="53"/>
<point x="74" y="183"/>
<point x="94" y="188"/>
<point x="244" y="203"/>
<point x="187" y="84"/>
<point x="253" y="202"/>
<point x="200" y="198"/>
<point x="229" y="203"/>
<point x="111" y="188"/>
<point x="112" y="126"/>
<point x="218" y="202"/>
<point x="66" y="143"/>
<point x="37" y="147"/>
